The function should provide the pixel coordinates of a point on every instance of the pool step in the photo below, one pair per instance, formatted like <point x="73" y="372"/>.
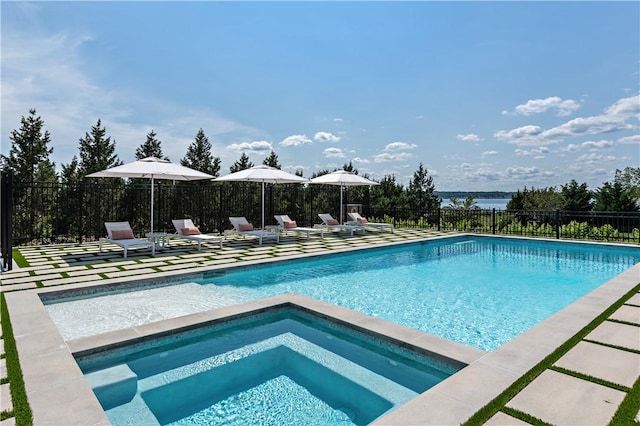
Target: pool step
<point x="113" y="386"/>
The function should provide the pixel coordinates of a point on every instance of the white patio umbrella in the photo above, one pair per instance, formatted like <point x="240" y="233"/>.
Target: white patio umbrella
<point x="263" y="174"/>
<point x="342" y="178"/>
<point x="152" y="168"/>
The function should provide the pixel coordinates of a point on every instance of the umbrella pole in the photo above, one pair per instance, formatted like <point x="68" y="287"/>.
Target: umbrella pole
<point x="151" y="203"/>
<point x="341" y="209"/>
<point x="262" y="204"/>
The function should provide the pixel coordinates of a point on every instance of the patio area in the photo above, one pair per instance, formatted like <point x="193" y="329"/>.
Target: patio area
<point x="581" y="366"/>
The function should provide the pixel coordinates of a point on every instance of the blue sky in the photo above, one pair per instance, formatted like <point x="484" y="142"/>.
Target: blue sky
<point x="487" y="95"/>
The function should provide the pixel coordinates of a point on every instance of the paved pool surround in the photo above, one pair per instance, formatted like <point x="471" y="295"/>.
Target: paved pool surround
<point x="59" y="394"/>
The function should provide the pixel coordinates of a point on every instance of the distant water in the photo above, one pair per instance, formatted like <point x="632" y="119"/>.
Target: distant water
<point x="484" y="203"/>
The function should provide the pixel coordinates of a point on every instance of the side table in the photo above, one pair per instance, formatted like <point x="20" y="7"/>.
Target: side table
<point x="158" y="239"/>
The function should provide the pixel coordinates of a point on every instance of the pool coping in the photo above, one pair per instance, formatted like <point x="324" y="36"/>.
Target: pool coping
<point x="58" y="393"/>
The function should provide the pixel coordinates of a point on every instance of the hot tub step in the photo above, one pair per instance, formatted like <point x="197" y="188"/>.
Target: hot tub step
<point x="113" y="386"/>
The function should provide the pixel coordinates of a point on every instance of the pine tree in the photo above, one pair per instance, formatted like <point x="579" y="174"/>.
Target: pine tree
<point x="272" y="161"/>
<point x="150" y="148"/>
<point x="242" y="164"/>
<point x="199" y="156"/>
<point x="576" y="197"/>
<point x="615" y="197"/>
<point x="421" y="191"/>
<point x="97" y="152"/>
<point x="29" y="153"/>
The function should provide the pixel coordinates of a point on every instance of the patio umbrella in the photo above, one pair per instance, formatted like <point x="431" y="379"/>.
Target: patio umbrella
<point x="152" y="168"/>
<point x="263" y="174"/>
<point x="342" y="178"/>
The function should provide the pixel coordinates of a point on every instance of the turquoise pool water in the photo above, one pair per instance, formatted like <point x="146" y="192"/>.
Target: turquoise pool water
<point x="480" y="291"/>
<point x="278" y="368"/>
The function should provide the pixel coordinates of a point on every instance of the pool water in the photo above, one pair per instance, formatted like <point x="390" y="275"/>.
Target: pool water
<point x="277" y="368"/>
<point x="479" y="291"/>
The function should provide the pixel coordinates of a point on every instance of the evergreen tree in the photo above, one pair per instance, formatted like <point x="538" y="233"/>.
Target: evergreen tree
<point x="97" y="152"/>
<point x="150" y="148"/>
<point x="388" y="193"/>
<point x="29" y="159"/>
<point x="536" y="199"/>
<point x="199" y="156"/>
<point x="576" y="197"/>
<point x="615" y="197"/>
<point x="630" y="178"/>
<point x="349" y="168"/>
<point x="29" y="153"/>
<point x="71" y="172"/>
<point x="242" y="164"/>
<point x="421" y="192"/>
<point x="272" y="161"/>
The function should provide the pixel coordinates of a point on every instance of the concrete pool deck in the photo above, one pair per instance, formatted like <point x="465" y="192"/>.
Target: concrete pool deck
<point x="611" y="352"/>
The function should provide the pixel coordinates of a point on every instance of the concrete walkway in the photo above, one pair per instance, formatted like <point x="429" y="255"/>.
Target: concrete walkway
<point x="566" y="393"/>
<point x="610" y="353"/>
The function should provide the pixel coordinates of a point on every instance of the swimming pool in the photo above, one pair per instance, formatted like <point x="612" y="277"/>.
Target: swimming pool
<point x="284" y="366"/>
<point x="479" y="291"/>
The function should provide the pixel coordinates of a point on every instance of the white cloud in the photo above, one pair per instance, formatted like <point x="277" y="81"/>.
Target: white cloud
<point x="614" y="120"/>
<point x="325" y="137"/>
<point x="360" y="160"/>
<point x="487" y="174"/>
<point x="524" y="134"/>
<point x="400" y="156"/>
<point x="256" y="147"/>
<point x="522" y="171"/>
<point x="488" y="153"/>
<point x="597" y="145"/>
<point x="594" y="158"/>
<point x="471" y="137"/>
<point x="586" y="126"/>
<point x="538" y="106"/>
<point x="398" y="146"/>
<point x="296" y="140"/>
<point x="625" y="107"/>
<point x="333" y="153"/>
<point x="338" y="120"/>
<point x="635" y="139"/>
<point x="536" y="152"/>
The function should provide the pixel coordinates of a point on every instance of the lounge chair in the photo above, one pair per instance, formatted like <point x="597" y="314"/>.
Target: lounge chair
<point x="356" y="219"/>
<point x="242" y="226"/>
<point x="121" y="234"/>
<point x="328" y="222"/>
<point x="286" y="225"/>
<point x="186" y="230"/>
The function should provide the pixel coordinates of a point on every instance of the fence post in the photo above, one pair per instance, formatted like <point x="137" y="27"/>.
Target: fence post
<point x="439" y="211"/>
<point x="493" y="221"/>
<point x="6" y="220"/>
<point x="557" y="224"/>
<point x="80" y="212"/>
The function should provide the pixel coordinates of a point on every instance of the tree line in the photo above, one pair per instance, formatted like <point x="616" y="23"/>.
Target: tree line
<point x="29" y="158"/>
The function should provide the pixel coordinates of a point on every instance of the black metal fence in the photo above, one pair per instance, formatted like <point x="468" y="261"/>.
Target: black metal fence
<point x="51" y="213"/>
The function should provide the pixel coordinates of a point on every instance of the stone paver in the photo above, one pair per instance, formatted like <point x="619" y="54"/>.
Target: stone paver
<point x="71" y="280"/>
<point x="628" y="314"/>
<point x="5" y="398"/>
<point x="613" y="365"/>
<point x="502" y="419"/>
<point x="564" y="400"/>
<point x="11" y="421"/>
<point x="3" y="368"/>
<point x="613" y="333"/>
<point x="634" y="300"/>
